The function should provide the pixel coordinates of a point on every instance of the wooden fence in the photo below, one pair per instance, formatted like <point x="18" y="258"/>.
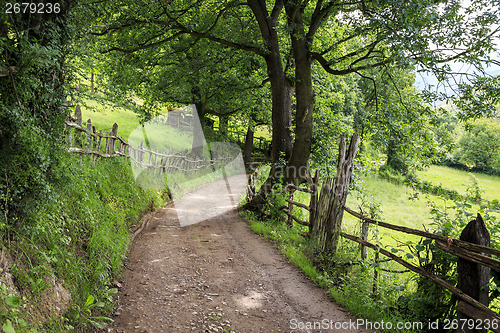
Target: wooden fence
<point x="83" y="138"/>
<point x="325" y="221"/>
<point x="239" y="137"/>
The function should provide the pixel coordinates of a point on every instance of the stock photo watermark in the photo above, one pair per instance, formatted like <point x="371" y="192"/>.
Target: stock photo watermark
<point x="357" y="324"/>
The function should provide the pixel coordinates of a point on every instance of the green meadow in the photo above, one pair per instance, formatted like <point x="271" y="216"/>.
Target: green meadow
<point x="459" y="179"/>
<point x="157" y="135"/>
<point x="103" y="117"/>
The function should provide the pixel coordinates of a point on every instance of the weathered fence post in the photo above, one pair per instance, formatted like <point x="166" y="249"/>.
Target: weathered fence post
<point x="313" y="203"/>
<point x="341" y="188"/>
<point x="99" y="142"/>
<point x="364" y="236"/>
<point x="323" y="207"/>
<point x="155" y="165"/>
<point x="89" y="131"/>
<point x="94" y="140"/>
<point x="114" y="132"/>
<point x="473" y="277"/>
<point x="141" y="153"/>
<point x="78" y="133"/>
<point x="289" y="221"/>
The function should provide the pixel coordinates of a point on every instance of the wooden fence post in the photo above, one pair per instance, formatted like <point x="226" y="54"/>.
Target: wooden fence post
<point x="323" y="207"/>
<point x="99" y="141"/>
<point x="140" y="153"/>
<point x="341" y="188"/>
<point x="290" y="206"/>
<point x="78" y="134"/>
<point x="114" y="132"/>
<point x="94" y="140"/>
<point x="89" y="136"/>
<point x="473" y="277"/>
<point x="313" y="203"/>
<point x="364" y="236"/>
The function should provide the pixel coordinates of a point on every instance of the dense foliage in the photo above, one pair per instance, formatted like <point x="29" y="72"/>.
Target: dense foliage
<point x="479" y="147"/>
<point x="32" y="93"/>
<point x="285" y="43"/>
<point x="65" y="219"/>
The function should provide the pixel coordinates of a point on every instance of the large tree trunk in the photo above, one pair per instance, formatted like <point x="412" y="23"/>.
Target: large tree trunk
<point x="281" y="92"/>
<point x="298" y="165"/>
<point x="281" y="89"/>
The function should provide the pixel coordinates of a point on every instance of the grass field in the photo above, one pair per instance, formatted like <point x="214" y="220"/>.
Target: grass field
<point x="159" y="136"/>
<point x="103" y="118"/>
<point x="395" y="208"/>
<point x="458" y="180"/>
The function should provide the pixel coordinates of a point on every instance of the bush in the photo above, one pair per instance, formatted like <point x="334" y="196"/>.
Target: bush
<point x="479" y="148"/>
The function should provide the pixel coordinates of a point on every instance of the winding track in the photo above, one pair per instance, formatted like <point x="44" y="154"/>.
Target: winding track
<point x="215" y="276"/>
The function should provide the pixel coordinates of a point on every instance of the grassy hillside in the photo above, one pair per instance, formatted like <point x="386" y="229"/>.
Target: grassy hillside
<point x="103" y="117"/>
<point x="459" y="180"/>
<point x="384" y="290"/>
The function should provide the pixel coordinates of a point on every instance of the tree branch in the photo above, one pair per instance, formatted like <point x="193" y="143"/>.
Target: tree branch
<point x="143" y="47"/>
<point x="278" y="7"/>
<point x="374" y="88"/>
<point x="326" y="65"/>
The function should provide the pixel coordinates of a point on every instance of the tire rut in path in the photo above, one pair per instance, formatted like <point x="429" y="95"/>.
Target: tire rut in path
<point x="214" y="276"/>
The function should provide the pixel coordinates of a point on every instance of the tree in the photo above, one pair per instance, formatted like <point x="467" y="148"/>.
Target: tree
<point x="32" y="96"/>
<point x="446" y="129"/>
<point x="479" y="147"/>
<point x="219" y="81"/>
<point x="339" y="109"/>
<point x="344" y="38"/>
<point x="397" y="118"/>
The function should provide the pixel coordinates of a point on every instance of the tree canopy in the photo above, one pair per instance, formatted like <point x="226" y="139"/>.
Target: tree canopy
<point x="286" y="38"/>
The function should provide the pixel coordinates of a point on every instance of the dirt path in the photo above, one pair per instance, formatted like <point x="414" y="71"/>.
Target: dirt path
<point x="215" y="276"/>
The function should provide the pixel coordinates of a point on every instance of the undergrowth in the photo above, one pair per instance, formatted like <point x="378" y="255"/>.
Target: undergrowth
<point x="77" y="238"/>
<point x="378" y="289"/>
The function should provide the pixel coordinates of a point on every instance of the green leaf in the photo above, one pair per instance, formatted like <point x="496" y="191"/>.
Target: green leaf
<point x="7" y="327"/>
<point x="104" y="319"/>
<point x="427" y="241"/>
<point x="13" y="301"/>
<point x="89" y="301"/>
<point x="99" y="304"/>
<point x="97" y="324"/>
<point x="409" y="256"/>
<point x="423" y="259"/>
<point x="393" y="250"/>
<point x="112" y="291"/>
<point x="420" y="247"/>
